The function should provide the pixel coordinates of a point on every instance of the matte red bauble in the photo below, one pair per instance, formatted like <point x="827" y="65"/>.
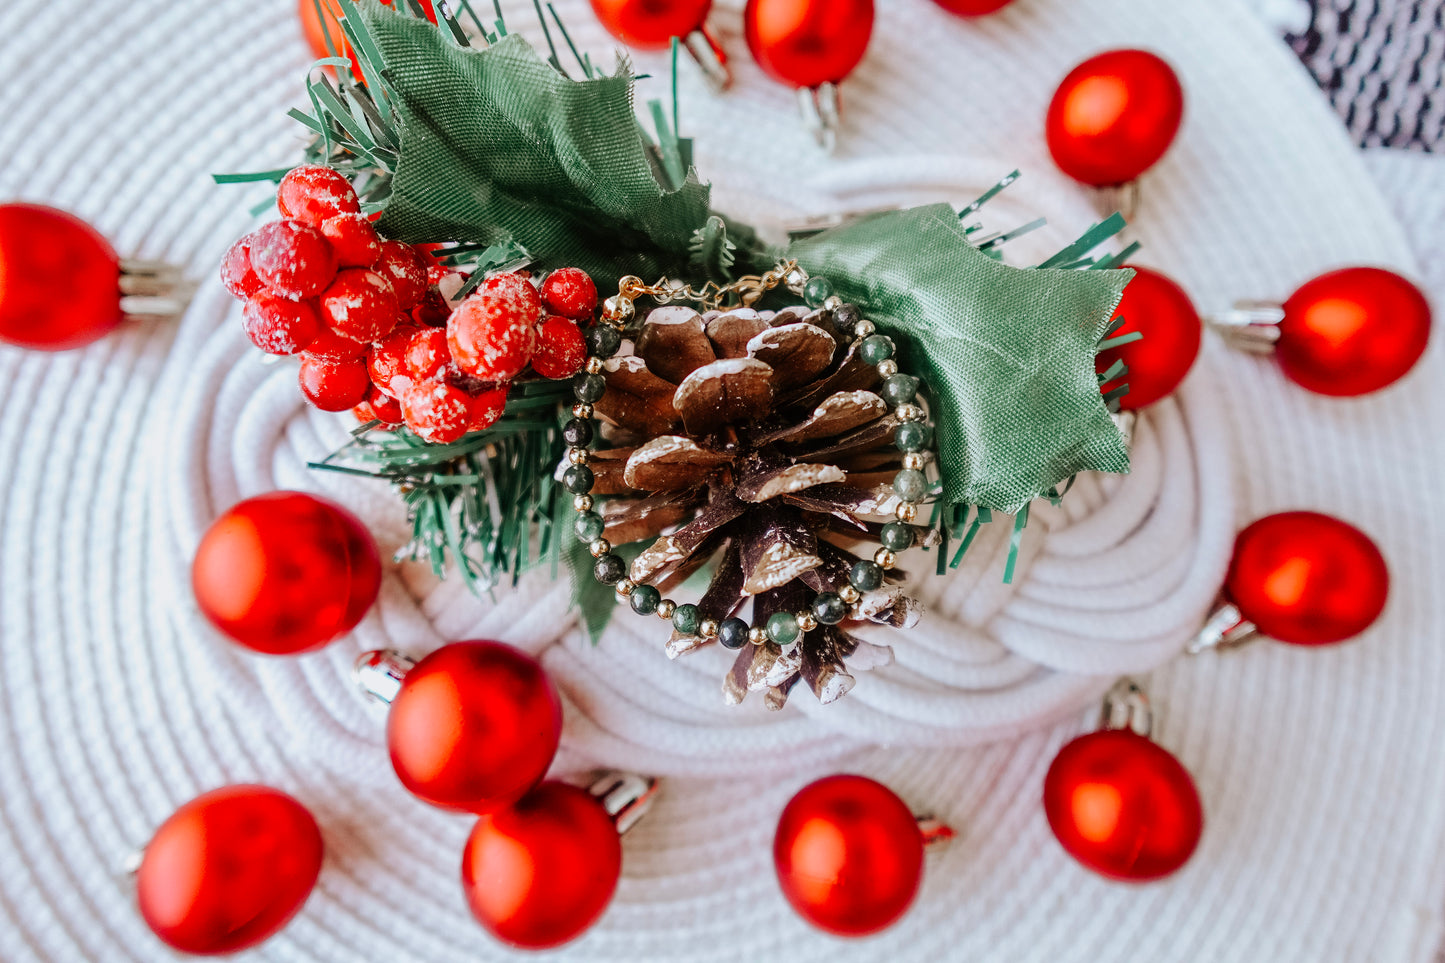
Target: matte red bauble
<point x="1353" y="331"/>
<point x="1123" y="806"/>
<point x="474" y="726"/>
<point x="286" y="573"/>
<point x="539" y="873"/>
<point x="849" y="855"/>
<point x="1160" y="310"/>
<point x="806" y="43"/>
<point x="1114" y="116"/>
<point x="651" y="23"/>
<point x="228" y="869"/>
<point x="59" y="279"/>
<point x="1307" y="578"/>
<point x="972" y="8"/>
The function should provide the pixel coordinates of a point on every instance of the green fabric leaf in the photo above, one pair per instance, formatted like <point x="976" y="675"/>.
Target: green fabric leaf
<point x="497" y="145"/>
<point x="712" y="253"/>
<point x="1007" y="353"/>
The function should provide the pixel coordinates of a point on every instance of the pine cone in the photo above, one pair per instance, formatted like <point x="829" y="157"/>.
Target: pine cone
<point x="756" y="437"/>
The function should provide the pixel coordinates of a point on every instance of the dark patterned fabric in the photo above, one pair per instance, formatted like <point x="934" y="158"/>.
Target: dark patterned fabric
<point x="1382" y="63"/>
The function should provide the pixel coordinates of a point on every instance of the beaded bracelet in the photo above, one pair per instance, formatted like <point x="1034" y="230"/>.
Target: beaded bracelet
<point x="911" y="485"/>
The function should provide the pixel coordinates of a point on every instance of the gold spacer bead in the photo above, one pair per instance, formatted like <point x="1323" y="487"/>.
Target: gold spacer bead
<point x="833" y="303"/>
<point x="757" y="635"/>
<point x="624" y="588"/>
<point x="795" y="280"/>
<point x="886" y="557"/>
<point x="600" y="548"/>
<point x="708" y="628"/>
<point x="887" y="368"/>
<point x="907" y="512"/>
<point x="665" y="608"/>
<point x="909" y="412"/>
<point x="594" y="365"/>
<point x="915" y="460"/>
<point x="582" y="411"/>
<point x="617" y="308"/>
<point x="863" y="329"/>
<point x="578" y="456"/>
<point x="849" y="594"/>
<point x="582" y="503"/>
<point x="807" y="622"/>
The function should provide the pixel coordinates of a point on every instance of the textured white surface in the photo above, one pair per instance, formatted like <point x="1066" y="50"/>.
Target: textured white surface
<point x="1320" y="771"/>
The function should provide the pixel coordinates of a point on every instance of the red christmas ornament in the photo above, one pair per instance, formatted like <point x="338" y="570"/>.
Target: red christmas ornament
<point x="1114" y="116"/>
<point x="1352" y="331"/>
<point x="1123" y="806"/>
<point x="651" y="24"/>
<point x="849" y="855"/>
<point x="286" y="573"/>
<point x="59" y="279"/>
<point x="1307" y="578"/>
<point x="972" y="8"/>
<point x="807" y="43"/>
<point x="473" y="726"/>
<point x="228" y="870"/>
<point x="540" y="872"/>
<point x="1160" y="310"/>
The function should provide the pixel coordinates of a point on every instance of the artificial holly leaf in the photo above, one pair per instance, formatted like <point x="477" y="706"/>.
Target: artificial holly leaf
<point x="497" y="145"/>
<point x="1007" y="353"/>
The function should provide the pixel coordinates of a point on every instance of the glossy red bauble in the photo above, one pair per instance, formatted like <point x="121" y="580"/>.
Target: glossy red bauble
<point x="1123" y="806"/>
<point x="539" y="873"/>
<point x="651" y="23"/>
<point x="1114" y="116"/>
<point x="228" y="869"/>
<point x="1353" y="331"/>
<point x="849" y="855"/>
<point x="286" y="572"/>
<point x="474" y="726"/>
<point x="59" y="279"/>
<point x="1307" y="578"/>
<point x="808" y="42"/>
<point x="972" y="8"/>
<point x="1159" y="309"/>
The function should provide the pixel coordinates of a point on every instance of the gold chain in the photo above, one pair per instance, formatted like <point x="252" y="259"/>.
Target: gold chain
<point x="749" y="290"/>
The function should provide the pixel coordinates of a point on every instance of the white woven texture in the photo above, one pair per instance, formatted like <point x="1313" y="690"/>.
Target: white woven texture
<point x="1320" y="770"/>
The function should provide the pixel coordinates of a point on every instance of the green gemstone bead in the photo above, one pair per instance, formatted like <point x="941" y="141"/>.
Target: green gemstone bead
<point x="876" y="348"/>
<point x="588" y="526"/>
<point x="900" y="389"/>
<point x="829" y="608"/>
<point x="589" y="387"/>
<point x="783" y="628"/>
<point x="733" y="633"/>
<point x="910" y="436"/>
<point x="609" y="569"/>
<point x="603" y="341"/>
<point x="816" y="291"/>
<point x="578" y="479"/>
<point x="685" y="619"/>
<point x="644" y="599"/>
<point x="911" y="485"/>
<point x="896" y="536"/>
<point x="866" y="576"/>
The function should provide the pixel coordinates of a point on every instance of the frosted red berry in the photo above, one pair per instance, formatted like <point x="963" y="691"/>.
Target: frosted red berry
<point x="313" y="193"/>
<point x="486" y="408"/>
<point x="331" y="346"/>
<point x="360" y="305"/>
<point x="491" y="337"/>
<point x="334" y="385"/>
<point x="236" y="271"/>
<point x="436" y="411"/>
<point x="570" y="292"/>
<point x="517" y="291"/>
<point x="387" y="358"/>
<point x="292" y="259"/>
<point x="561" y="350"/>
<point x="279" y="325"/>
<point x="378" y="407"/>
<point x="353" y="239"/>
<point x="405" y="269"/>
<point x="427" y="355"/>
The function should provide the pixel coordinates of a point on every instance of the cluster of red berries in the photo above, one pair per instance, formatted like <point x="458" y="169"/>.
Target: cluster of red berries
<point x="374" y="331"/>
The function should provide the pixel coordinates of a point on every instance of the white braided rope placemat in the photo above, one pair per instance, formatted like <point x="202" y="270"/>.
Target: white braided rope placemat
<point x="1318" y="769"/>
